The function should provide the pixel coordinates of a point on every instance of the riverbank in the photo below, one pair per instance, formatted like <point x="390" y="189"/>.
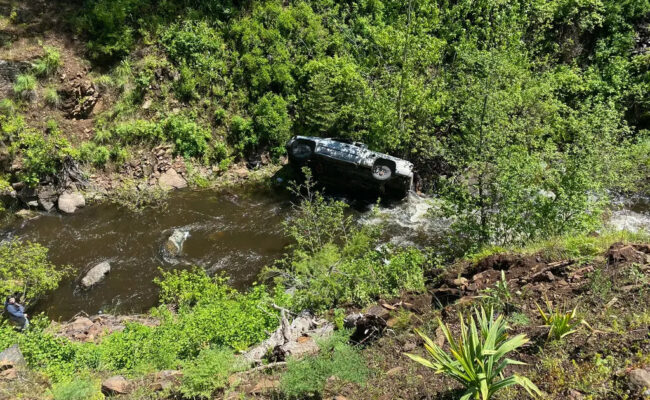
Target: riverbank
<point x="605" y="279"/>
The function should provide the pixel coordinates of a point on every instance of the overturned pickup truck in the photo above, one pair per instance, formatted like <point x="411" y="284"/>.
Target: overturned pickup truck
<point x="351" y="165"/>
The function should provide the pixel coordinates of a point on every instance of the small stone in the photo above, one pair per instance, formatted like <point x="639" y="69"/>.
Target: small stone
<point x="147" y="104"/>
<point x="27" y="214"/>
<point x="394" y="371"/>
<point x="115" y="385"/>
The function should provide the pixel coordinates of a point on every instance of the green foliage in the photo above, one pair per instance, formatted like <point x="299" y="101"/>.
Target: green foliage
<point x="189" y="138"/>
<point x="307" y="377"/>
<point x="272" y="122"/>
<point x="49" y="63"/>
<point x="138" y="196"/>
<point x="335" y="261"/>
<point x="7" y="107"/>
<point x="91" y="152"/>
<point x="477" y="356"/>
<point x="499" y="297"/>
<point x="78" y="389"/>
<point x="41" y="154"/>
<point x="52" y="97"/>
<point x="25" y="269"/>
<point x="560" y="323"/>
<point x="206" y="373"/>
<point x="25" y="86"/>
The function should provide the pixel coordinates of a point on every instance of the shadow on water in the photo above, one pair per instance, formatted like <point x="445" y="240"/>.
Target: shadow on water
<point x="237" y="232"/>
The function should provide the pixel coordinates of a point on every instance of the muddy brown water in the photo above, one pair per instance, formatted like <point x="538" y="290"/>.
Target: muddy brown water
<point x="234" y="232"/>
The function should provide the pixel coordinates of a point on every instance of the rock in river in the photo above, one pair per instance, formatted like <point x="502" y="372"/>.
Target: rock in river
<point x="175" y="242"/>
<point x="171" y="180"/>
<point x="70" y="202"/>
<point x="96" y="274"/>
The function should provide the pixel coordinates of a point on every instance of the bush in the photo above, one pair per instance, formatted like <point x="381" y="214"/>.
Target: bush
<point x="335" y="261"/>
<point x="49" y="63"/>
<point x="25" y="268"/>
<point x="97" y="155"/>
<point x="138" y="196"/>
<point x="207" y="373"/>
<point x="25" y="86"/>
<point x="307" y="377"/>
<point x="272" y="122"/>
<point x="189" y="138"/>
<point x="7" y="107"/>
<point x="41" y="154"/>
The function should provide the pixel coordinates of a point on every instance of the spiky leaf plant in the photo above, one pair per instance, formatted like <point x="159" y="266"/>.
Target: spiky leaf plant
<point x="559" y="322"/>
<point x="477" y="358"/>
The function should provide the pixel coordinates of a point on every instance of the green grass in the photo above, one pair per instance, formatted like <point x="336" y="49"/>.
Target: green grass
<point x="307" y="377"/>
<point x="25" y="86"/>
<point x="52" y="97"/>
<point x="567" y="246"/>
<point x="49" y="63"/>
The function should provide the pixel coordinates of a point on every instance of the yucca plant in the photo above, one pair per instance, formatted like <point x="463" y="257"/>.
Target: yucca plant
<point x="477" y="358"/>
<point x="560" y="323"/>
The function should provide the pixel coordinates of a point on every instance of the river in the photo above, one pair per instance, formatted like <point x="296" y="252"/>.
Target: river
<point x="236" y="232"/>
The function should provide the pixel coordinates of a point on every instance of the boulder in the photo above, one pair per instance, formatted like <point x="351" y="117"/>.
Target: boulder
<point x="69" y="202"/>
<point x="96" y="274"/>
<point x="171" y="180"/>
<point x="81" y="324"/>
<point x="166" y="379"/>
<point x="115" y="385"/>
<point x="12" y="355"/>
<point x="47" y="197"/>
<point x="174" y="244"/>
<point x="639" y="380"/>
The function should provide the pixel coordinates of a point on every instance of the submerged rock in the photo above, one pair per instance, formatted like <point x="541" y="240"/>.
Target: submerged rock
<point x="96" y="274"/>
<point x="70" y="202"/>
<point x="174" y="244"/>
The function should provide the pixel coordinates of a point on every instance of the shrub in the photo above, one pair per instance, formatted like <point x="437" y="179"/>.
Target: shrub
<point x="560" y="323"/>
<point x="25" y="268"/>
<point x="335" y="261"/>
<point x="138" y="196"/>
<point x="49" y="63"/>
<point x="7" y="107"/>
<point x="189" y="138"/>
<point x="97" y="155"/>
<point x="78" y="389"/>
<point x="272" y="122"/>
<point x="207" y="373"/>
<point x="41" y="154"/>
<point x="307" y="377"/>
<point x="477" y="357"/>
<point x="25" y="86"/>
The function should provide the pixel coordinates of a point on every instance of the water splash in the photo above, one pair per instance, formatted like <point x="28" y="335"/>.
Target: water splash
<point x="409" y="222"/>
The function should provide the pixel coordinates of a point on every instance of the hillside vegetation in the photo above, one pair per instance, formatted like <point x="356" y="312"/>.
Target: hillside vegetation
<point x="523" y="119"/>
